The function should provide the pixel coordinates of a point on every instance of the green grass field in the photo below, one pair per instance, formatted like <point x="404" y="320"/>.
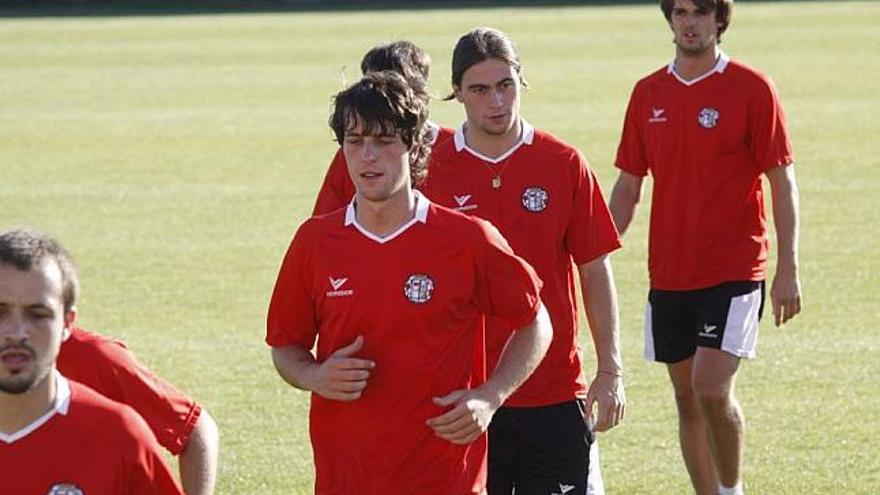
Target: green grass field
<point x="176" y="155"/>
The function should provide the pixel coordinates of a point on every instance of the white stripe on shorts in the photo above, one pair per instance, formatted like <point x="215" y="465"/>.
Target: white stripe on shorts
<point x="649" y="333"/>
<point x="595" y="483"/>
<point x="741" y="329"/>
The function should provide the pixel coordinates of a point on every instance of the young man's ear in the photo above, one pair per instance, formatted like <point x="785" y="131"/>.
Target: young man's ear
<point x="456" y="90"/>
<point x="69" y="320"/>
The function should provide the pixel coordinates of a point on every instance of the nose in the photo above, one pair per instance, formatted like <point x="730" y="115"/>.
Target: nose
<point x="369" y="151"/>
<point x="13" y="328"/>
<point x="497" y="97"/>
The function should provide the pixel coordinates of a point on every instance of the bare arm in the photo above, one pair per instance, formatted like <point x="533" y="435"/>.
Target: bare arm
<point x="785" y="292"/>
<point x="198" y="460"/>
<point x="340" y="377"/>
<point x="473" y="409"/>
<point x="600" y="304"/>
<point x="625" y="197"/>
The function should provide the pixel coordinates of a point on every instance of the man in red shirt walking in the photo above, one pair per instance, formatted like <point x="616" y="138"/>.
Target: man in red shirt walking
<point x="56" y="435"/>
<point x="707" y="128"/>
<point x="544" y="198"/>
<point x="413" y="64"/>
<point x="395" y="290"/>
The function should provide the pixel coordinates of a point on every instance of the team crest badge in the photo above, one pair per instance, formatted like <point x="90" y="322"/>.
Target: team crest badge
<point x="535" y="199"/>
<point x="708" y="117"/>
<point x="418" y="288"/>
<point x="64" y="489"/>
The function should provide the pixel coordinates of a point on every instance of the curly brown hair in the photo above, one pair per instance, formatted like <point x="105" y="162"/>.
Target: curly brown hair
<point x="384" y="104"/>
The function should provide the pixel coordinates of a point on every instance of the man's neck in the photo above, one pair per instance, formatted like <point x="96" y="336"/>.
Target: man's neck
<point x="19" y="410"/>
<point x="383" y="218"/>
<point x="493" y="145"/>
<point x="690" y="67"/>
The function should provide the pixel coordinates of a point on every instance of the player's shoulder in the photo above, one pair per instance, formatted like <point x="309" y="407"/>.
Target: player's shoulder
<point x="443" y="134"/>
<point x="655" y="77"/>
<point x="320" y="225"/>
<point x="453" y="224"/>
<point x="87" y="350"/>
<point x="106" y="421"/>
<point x="555" y="150"/>
<point x="743" y="74"/>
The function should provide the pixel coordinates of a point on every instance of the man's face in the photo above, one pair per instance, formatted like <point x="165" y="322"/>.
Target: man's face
<point x="32" y="325"/>
<point x="695" y="30"/>
<point x="378" y="164"/>
<point x="490" y="92"/>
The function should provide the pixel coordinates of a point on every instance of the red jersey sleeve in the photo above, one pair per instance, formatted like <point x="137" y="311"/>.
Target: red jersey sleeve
<point x="591" y="232"/>
<point x="337" y="189"/>
<point x="148" y="473"/>
<point x="770" y="145"/>
<point x="508" y="287"/>
<point x="292" y="318"/>
<point x="631" y="150"/>
<point x="109" y="368"/>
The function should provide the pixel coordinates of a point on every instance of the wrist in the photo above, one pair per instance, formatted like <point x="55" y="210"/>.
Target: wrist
<point x="615" y="373"/>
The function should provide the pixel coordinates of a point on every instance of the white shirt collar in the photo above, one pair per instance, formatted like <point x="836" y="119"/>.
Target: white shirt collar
<point x="526" y="137"/>
<point x="60" y="405"/>
<point x="421" y="216"/>
<point x="433" y="131"/>
<point x="720" y="65"/>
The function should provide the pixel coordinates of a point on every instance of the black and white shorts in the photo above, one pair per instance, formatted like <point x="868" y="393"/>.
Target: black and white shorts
<point x="722" y="317"/>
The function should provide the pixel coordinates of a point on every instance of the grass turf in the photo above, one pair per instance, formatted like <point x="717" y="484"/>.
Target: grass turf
<point x="176" y="155"/>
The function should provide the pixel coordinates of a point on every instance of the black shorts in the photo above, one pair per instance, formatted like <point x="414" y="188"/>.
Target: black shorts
<point x="542" y="450"/>
<point x="722" y="317"/>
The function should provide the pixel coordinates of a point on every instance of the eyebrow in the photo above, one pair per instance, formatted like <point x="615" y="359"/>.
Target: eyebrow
<point x="482" y="85"/>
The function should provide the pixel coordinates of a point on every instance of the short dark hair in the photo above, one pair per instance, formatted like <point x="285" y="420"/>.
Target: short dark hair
<point x="723" y="12"/>
<point x="481" y="44"/>
<point x="402" y="57"/>
<point x="26" y="248"/>
<point x="384" y="104"/>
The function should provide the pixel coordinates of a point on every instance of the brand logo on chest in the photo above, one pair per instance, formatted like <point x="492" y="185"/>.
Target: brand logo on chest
<point x="64" y="489"/>
<point x="336" y="289"/>
<point x="418" y="288"/>
<point x="708" y="118"/>
<point x="657" y="115"/>
<point x="535" y="199"/>
<point x="462" y="202"/>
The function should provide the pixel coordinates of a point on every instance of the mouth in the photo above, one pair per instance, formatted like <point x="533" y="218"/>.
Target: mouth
<point x="15" y="360"/>
<point x="370" y="175"/>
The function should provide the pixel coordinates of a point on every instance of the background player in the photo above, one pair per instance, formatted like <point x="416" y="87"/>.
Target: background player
<point x="543" y="197"/>
<point x="413" y="64"/>
<point x="707" y="127"/>
<point x="395" y="287"/>
<point x="56" y="435"/>
<point x="180" y="424"/>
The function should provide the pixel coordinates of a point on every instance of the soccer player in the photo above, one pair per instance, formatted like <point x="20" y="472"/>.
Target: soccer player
<point x="179" y="423"/>
<point x="707" y="128"/>
<point x="394" y="288"/>
<point x="56" y="435"/>
<point x="544" y="198"/>
<point x="413" y="64"/>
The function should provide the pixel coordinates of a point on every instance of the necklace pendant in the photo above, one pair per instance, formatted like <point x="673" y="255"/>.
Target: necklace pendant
<point x="496" y="182"/>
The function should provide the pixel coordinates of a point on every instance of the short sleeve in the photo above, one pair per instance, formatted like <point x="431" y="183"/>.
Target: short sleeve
<point x="631" y="155"/>
<point x="169" y="413"/>
<point x="148" y="473"/>
<point x="591" y="232"/>
<point x="337" y="189"/>
<point x="508" y="287"/>
<point x="770" y="144"/>
<point x="292" y="317"/>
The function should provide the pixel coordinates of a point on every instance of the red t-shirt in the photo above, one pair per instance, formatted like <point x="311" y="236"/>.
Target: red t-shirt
<point x="86" y="442"/>
<point x="417" y="297"/>
<point x="338" y="189"/>
<point x="111" y="369"/>
<point x="549" y="207"/>
<point x="706" y="144"/>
